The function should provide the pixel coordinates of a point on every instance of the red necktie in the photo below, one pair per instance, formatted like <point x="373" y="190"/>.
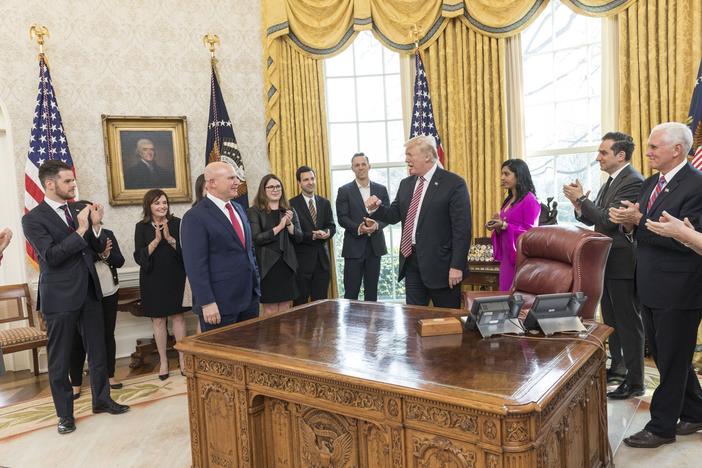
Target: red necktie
<point x="656" y="191"/>
<point x="235" y="223"/>
<point x="406" y="243"/>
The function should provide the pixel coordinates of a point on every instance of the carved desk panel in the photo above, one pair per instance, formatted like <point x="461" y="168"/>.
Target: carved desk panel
<point x="351" y="384"/>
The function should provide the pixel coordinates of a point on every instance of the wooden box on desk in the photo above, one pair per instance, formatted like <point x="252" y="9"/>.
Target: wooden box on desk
<point x="439" y="326"/>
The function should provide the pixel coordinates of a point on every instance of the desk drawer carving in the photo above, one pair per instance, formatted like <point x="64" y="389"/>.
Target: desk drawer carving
<point x="441" y="416"/>
<point x="430" y="451"/>
<point x="327" y="391"/>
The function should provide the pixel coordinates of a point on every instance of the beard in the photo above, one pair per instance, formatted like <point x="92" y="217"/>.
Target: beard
<point x="65" y="194"/>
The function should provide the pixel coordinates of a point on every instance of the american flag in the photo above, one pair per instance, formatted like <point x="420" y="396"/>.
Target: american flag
<point x="221" y="141"/>
<point x="423" y="113"/>
<point x="695" y="120"/>
<point x="47" y="141"/>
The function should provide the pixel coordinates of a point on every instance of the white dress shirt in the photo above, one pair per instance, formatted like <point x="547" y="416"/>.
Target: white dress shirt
<point x="222" y="205"/>
<point x="619" y="171"/>
<point x="58" y="208"/>
<point x="427" y="179"/>
<point x="307" y="202"/>
<point x="365" y="195"/>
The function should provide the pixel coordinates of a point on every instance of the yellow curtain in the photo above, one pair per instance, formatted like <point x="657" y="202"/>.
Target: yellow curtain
<point x="466" y="71"/>
<point x="660" y="49"/>
<point x="300" y="138"/>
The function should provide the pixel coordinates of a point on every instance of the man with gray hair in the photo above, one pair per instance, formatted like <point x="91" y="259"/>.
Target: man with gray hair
<point x="146" y="173"/>
<point x="434" y="208"/>
<point x="668" y="278"/>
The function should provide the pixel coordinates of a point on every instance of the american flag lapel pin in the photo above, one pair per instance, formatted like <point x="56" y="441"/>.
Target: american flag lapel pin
<point x="666" y="190"/>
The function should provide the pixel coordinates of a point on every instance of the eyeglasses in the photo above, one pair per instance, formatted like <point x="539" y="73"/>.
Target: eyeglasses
<point x="274" y="188"/>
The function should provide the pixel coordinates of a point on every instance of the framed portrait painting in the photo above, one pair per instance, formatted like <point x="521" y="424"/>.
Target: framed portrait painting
<point x="144" y="153"/>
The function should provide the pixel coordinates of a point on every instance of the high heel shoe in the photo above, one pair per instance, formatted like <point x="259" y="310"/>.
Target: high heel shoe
<point x="164" y="376"/>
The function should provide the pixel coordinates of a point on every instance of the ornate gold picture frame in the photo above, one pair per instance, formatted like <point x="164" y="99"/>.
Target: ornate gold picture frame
<point x="144" y="153"/>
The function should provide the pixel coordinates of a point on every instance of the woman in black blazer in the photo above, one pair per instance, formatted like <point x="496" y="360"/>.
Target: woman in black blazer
<point x="275" y="227"/>
<point x="114" y="259"/>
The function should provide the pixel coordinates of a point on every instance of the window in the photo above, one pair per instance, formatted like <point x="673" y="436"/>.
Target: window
<point x="562" y="57"/>
<point x="364" y="113"/>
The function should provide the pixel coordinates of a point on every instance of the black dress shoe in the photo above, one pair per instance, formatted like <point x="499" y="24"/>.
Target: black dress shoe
<point x="163" y="376"/>
<point x="112" y="407"/>
<point x="687" y="428"/>
<point x="646" y="439"/>
<point x="116" y="386"/>
<point x="613" y="377"/>
<point x="625" y="391"/>
<point x="76" y="396"/>
<point x="66" y="425"/>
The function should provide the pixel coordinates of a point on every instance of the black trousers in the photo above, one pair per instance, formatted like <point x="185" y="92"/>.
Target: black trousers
<point x="365" y="269"/>
<point x="312" y="285"/>
<point x="626" y="345"/>
<point x="61" y="328"/>
<point x="416" y="293"/>
<point x="109" y="315"/>
<point x="672" y="335"/>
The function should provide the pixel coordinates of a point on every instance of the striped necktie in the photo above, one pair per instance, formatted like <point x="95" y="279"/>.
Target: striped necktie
<point x="408" y="229"/>
<point x="313" y="212"/>
<point x="656" y="191"/>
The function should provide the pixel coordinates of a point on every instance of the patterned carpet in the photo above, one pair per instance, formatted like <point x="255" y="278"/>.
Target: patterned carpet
<point x="36" y="414"/>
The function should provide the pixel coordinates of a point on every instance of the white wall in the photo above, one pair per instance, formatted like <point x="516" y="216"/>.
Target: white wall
<point x="125" y="57"/>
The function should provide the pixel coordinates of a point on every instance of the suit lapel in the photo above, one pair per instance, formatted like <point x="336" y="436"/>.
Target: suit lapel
<point x="356" y="195"/>
<point x="305" y="210"/>
<point x="247" y="228"/>
<point x="669" y="187"/>
<point x="614" y="186"/>
<point x="433" y="187"/>
<point x="225" y="223"/>
<point x="54" y="217"/>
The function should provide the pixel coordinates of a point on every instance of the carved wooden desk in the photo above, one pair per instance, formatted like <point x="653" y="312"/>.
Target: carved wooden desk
<point x="343" y="384"/>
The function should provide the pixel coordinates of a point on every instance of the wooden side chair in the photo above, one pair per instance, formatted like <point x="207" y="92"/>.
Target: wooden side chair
<point x="27" y="335"/>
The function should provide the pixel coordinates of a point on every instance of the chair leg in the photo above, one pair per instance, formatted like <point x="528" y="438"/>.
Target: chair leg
<point x="35" y="358"/>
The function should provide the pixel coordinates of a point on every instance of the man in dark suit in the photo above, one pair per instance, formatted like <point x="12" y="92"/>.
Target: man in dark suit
<point x="668" y="278"/>
<point x="69" y="290"/>
<point x="218" y="253"/>
<point x="146" y="173"/>
<point x="619" y="303"/>
<point x="364" y="241"/>
<point x="434" y="207"/>
<point x="317" y="222"/>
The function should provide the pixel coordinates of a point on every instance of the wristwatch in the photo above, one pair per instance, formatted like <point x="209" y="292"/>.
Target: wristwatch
<point x="582" y="198"/>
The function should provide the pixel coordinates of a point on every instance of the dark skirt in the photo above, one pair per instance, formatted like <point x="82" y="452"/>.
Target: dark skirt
<point x="279" y="284"/>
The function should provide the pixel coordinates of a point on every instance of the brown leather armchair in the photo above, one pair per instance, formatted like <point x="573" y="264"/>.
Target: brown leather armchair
<point x="557" y="259"/>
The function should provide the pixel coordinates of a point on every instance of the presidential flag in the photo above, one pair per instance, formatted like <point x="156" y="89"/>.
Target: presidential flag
<point x="423" y="114"/>
<point x="46" y="141"/>
<point x="221" y="142"/>
<point x="694" y="120"/>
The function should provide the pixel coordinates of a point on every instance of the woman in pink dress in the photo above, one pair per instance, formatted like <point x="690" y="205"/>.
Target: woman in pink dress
<point x="519" y="213"/>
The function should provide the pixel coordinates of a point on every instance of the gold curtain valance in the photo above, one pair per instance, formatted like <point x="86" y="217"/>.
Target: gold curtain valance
<point x="598" y="7"/>
<point x="321" y="28"/>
